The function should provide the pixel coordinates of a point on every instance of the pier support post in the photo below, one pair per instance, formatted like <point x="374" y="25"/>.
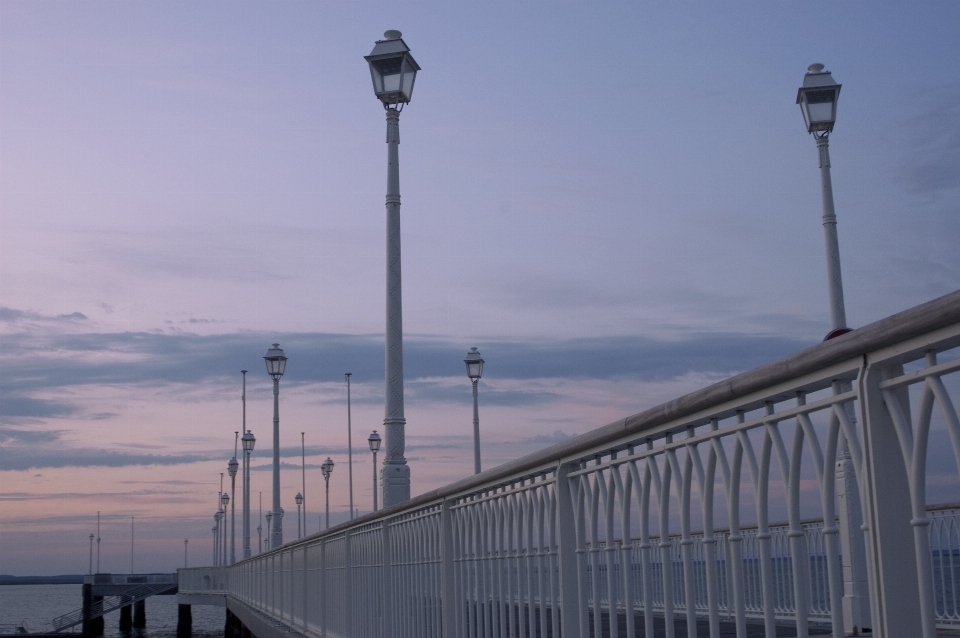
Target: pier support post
<point x="140" y="614"/>
<point x="87" y="595"/>
<point x="184" y="621"/>
<point x="96" y="625"/>
<point x="125" y="616"/>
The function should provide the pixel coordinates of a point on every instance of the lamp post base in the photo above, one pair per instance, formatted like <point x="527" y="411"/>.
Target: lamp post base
<point x="395" y="483"/>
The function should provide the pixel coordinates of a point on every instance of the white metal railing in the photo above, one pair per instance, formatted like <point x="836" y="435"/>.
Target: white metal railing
<point x="574" y="540"/>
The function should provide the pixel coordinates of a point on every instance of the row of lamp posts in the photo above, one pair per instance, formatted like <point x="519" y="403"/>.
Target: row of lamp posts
<point x="393" y="72"/>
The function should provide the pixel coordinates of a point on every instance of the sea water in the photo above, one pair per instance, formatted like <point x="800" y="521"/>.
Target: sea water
<point x="37" y="605"/>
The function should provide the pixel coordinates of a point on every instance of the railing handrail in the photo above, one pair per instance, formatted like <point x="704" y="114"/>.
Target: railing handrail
<point x="925" y="318"/>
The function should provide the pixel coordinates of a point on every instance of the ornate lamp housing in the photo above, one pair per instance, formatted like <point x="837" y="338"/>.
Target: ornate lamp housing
<point x="276" y="362"/>
<point x="232" y="467"/>
<point x="327" y="467"/>
<point x="298" y="498"/>
<point x="248" y="441"/>
<point x="474" y="364"/>
<point x="225" y="498"/>
<point x="374" y="441"/>
<point x="818" y="99"/>
<point x="392" y="69"/>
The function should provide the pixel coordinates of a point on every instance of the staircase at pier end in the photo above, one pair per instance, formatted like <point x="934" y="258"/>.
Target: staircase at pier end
<point x="660" y="523"/>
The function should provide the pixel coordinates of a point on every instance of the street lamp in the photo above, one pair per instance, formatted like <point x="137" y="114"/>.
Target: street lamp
<point x="474" y="369"/>
<point x="216" y="538"/>
<point x="276" y="364"/>
<point x="327" y="469"/>
<point x="374" y="441"/>
<point x="232" y="471"/>
<point x="268" y="516"/>
<point x="224" y="500"/>
<point x="247" y="441"/>
<point x="299" y="499"/>
<point x="393" y="71"/>
<point x="347" y="375"/>
<point x="818" y="103"/>
<point x="90" y="570"/>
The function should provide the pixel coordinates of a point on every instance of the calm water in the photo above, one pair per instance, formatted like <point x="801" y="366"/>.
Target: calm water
<point x="37" y="605"/>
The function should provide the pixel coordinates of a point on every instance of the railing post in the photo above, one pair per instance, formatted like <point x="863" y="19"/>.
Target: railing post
<point x="386" y="582"/>
<point x="348" y="585"/>
<point x="323" y="587"/>
<point x="894" y="598"/>
<point x="567" y="555"/>
<point x="448" y="600"/>
<point x="856" y="601"/>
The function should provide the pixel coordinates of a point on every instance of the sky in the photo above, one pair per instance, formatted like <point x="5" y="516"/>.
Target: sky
<point x="617" y="203"/>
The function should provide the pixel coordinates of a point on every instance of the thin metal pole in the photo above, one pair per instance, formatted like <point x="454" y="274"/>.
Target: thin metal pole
<point x="349" y="446"/>
<point x="276" y="532"/>
<point x="838" y="315"/>
<point x="90" y="569"/>
<point x="131" y="544"/>
<point x="374" y="481"/>
<point x="299" y="535"/>
<point x="260" y="527"/>
<point x="326" y="480"/>
<point x="98" y="542"/>
<point x="396" y="472"/>
<point x="303" y="488"/>
<point x="476" y="430"/>
<point x="185" y="541"/>
<point x="246" y="475"/>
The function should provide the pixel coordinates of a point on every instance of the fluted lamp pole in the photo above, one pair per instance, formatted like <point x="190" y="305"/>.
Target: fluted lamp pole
<point x="474" y="369"/>
<point x="276" y="364"/>
<point x="247" y="441"/>
<point x="327" y="469"/>
<point x="374" y="441"/>
<point x="393" y="71"/>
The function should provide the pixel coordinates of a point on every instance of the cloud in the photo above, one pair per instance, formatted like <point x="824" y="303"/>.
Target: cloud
<point x="931" y="166"/>
<point x="19" y="406"/>
<point x="53" y="360"/>
<point x="11" y="315"/>
<point x="27" y="457"/>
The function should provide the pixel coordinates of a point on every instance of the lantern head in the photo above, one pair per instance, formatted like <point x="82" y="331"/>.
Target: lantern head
<point x="818" y="99"/>
<point x="392" y="69"/>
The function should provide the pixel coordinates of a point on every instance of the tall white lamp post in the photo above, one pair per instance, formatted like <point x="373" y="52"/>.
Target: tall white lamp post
<point x="327" y="469"/>
<point x="374" y="442"/>
<point x="347" y="375"/>
<point x="474" y="369"/>
<point x="224" y="500"/>
<point x="247" y="441"/>
<point x="232" y="471"/>
<point x="393" y="71"/>
<point x="216" y="538"/>
<point x="818" y="102"/>
<point x="276" y="364"/>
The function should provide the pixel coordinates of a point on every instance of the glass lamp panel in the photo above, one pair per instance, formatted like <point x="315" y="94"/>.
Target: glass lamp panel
<point x="409" y="75"/>
<point x="390" y="74"/>
<point x="473" y="369"/>
<point x="281" y="365"/>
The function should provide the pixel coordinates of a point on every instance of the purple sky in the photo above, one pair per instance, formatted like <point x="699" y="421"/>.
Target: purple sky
<point x="617" y="203"/>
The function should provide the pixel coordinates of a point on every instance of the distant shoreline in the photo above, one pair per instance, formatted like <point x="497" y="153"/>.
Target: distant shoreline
<point x="64" y="579"/>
